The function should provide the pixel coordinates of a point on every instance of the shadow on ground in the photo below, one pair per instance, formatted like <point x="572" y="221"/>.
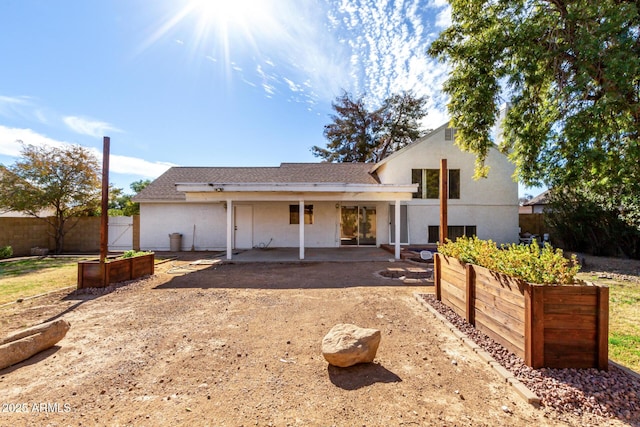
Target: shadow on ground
<point x="284" y="276"/>
<point x="361" y="375"/>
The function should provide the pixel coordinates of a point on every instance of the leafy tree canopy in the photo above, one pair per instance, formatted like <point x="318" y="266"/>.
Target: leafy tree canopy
<point x="571" y="70"/>
<point x="357" y="134"/>
<point x="52" y="183"/>
<point x="120" y="203"/>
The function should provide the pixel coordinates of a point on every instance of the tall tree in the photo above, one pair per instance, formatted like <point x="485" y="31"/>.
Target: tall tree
<point x="571" y="70"/>
<point x="120" y="203"/>
<point x="357" y="134"/>
<point x="53" y="184"/>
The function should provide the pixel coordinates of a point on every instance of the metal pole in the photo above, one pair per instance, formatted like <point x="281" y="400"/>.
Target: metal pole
<point x="104" y="215"/>
<point x="444" y="197"/>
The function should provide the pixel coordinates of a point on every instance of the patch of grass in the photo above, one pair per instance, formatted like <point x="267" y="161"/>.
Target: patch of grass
<point x="30" y="277"/>
<point x="625" y="349"/>
<point x="624" y="319"/>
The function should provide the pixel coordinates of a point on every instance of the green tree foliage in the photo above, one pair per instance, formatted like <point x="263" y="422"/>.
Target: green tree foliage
<point x="120" y="203"/>
<point x="581" y="222"/>
<point x="571" y="70"/>
<point x="357" y="134"/>
<point x="54" y="184"/>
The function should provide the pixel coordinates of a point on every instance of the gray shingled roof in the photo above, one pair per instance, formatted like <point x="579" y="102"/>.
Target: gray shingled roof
<point x="164" y="187"/>
<point x="540" y="199"/>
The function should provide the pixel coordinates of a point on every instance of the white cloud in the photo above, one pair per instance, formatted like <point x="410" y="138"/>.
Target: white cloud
<point x="388" y="43"/>
<point x="85" y="126"/>
<point x="141" y="167"/>
<point x="9" y="146"/>
<point x="10" y="140"/>
<point x="443" y="19"/>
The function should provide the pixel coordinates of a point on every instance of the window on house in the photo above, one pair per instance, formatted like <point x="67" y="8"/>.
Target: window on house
<point x="454" y="183"/>
<point x="428" y="181"/>
<point x="294" y="214"/>
<point x="453" y="232"/>
<point x="449" y="134"/>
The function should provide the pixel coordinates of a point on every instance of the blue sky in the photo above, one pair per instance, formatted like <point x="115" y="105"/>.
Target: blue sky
<point x="205" y="82"/>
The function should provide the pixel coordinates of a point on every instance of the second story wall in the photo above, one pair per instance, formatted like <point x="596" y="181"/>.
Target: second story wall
<point x="498" y="189"/>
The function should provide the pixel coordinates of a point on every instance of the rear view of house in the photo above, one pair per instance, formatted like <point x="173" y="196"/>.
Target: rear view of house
<point x="331" y="204"/>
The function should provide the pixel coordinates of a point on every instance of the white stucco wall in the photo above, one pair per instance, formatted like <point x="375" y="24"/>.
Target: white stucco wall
<point x="490" y="204"/>
<point x="270" y="224"/>
<point x="158" y="220"/>
<point x="271" y="221"/>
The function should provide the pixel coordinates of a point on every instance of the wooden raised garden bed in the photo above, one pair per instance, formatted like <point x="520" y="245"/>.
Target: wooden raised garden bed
<point x="554" y="326"/>
<point x="115" y="270"/>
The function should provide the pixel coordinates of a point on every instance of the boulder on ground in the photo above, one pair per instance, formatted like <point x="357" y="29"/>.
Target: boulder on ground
<point x="24" y="344"/>
<point x="346" y="345"/>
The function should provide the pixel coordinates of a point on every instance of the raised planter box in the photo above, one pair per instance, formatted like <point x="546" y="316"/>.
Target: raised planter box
<point x="117" y="270"/>
<point x="554" y="326"/>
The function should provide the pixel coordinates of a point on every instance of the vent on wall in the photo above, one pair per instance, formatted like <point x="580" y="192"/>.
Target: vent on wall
<point x="449" y="134"/>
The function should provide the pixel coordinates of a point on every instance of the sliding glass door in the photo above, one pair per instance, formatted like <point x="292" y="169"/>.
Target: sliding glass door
<point x="358" y="226"/>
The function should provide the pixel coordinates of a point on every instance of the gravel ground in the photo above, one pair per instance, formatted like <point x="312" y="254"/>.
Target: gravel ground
<point x="581" y="392"/>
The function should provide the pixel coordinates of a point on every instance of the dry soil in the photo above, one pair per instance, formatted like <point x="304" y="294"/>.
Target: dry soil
<point x="239" y="345"/>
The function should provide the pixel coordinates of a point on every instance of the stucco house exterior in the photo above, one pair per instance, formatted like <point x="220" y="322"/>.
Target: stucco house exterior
<point x="331" y="204"/>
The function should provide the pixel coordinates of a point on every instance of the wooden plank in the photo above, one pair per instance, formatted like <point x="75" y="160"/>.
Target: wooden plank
<point x="494" y="288"/>
<point x="517" y="324"/>
<point x="570" y="321"/>
<point x="500" y="280"/>
<point x="118" y="270"/>
<point x="603" y="329"/>
<point x="454" y="303"/>
<point x="453" y="275"/>
<point x="584" y="310"/>
<point x="89" y="274"/>
<point x="572" y="299"/>
<point x="513" y="337"/>
<point x="564" y="336"/>
<point x="574" y="349"/>
<point x="579" y="361"/>
<point x="563" y="293"/>
<point x="142" y="265"/>
<point x="450" y="288"/>
<point x="499" y="304"/>
<point x="499" y="339"/>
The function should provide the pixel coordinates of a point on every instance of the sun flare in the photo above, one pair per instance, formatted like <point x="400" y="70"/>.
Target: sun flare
<point x="216" y="24"/>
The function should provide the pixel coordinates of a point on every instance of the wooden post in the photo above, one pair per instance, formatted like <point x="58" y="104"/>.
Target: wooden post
<point x="104" y="216"/>
<point x="471" y="294"/>
<point x="444" y="196"/>
<point x="437" y="262"/>
<point x="603" y="328"/>
<point x="534" y="356"/>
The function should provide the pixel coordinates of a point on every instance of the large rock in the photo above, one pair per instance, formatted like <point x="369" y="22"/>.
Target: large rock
<point x="346" y="345"/>
<point x="24" y="344"/>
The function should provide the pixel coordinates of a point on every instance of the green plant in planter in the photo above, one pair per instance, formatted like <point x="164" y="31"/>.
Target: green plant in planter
<point x="133" y="253"/>
<point x="532" y="263"/>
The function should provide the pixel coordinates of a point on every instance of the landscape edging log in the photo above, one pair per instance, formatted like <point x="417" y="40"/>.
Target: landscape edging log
<point x="22" y="345"/>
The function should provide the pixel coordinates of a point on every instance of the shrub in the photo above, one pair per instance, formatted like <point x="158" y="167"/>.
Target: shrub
<point x="133" y="253"/>
<point x="531" y="263"/>
<point x="6" y="252"/>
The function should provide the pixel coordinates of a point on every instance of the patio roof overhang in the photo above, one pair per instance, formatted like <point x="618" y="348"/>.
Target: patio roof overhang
<point x="211" y="191"/>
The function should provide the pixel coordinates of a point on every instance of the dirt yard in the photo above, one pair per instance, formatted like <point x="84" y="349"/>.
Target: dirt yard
<point x="239" y="345"/>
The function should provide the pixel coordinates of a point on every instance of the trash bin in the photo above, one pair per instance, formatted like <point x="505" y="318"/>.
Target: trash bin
<point x="175" y="242"/>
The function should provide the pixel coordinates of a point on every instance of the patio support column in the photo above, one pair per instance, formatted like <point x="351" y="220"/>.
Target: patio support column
<point x="301" y="225"/>
<point x="229" y="228"/>
<point x="397" y="229"/>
